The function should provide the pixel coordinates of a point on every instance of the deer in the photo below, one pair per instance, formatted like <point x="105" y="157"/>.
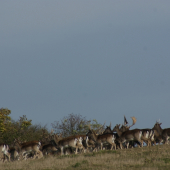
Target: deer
<point x="50" y="144"/>
<point x="147" y="134"/>
<point x="71" y="141"/>
<point x="164" y="134"/>
<point x="50" y="147"/>
<point x="4" y="152"/>
<point x="101" y="139"/>
<point x="127" y="136"/>
<point x="14" y="153"/>
<point x="125" y="128"/>
<point x="26" y="149"/>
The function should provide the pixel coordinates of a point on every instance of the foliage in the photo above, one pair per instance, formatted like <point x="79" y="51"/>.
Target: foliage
<point x="74" y="124"/>
<point x="4" y="119"/>
<point x="22" y="129"/>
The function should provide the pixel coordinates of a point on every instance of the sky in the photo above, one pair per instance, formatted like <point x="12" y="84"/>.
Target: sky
<point x="100" y="59"/>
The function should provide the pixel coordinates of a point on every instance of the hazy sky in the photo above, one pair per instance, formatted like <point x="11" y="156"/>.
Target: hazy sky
<point x="100" y="59"/>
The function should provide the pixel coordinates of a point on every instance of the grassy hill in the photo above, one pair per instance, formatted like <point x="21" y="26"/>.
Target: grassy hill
<point x="146" y="158"/>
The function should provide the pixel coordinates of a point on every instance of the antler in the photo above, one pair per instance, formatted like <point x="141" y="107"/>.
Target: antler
<point x="134" y="121"/>
<point x="52" y="131"/>
<point x="98" y="130"/>
<point x="89" y="126"/>
<point x="125" y="121"/>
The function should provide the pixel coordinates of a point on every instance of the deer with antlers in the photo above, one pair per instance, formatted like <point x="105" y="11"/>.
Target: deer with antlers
<point x="147" y="134"/>
<point x="101" y="139"/>
<point x="126" y="135"/>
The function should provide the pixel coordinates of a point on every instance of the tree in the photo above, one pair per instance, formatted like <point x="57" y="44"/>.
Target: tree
<point x="74" y="124"/>
<point x="21" y="129"/>
<point x="4" y="119"/>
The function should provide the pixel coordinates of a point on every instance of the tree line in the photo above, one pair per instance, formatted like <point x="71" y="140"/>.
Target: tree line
<point x="24" y="130"/>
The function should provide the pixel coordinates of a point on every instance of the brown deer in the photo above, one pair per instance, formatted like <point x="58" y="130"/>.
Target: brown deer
<point x="108" y="138"/>
<point x="127" y="136"/>
<point x="71" y="141"/>
<point x="14" y="153"/>
<point x="28" y="148"/>
<point x="147" y="134"/>
<point x="163" y="133"/>
<point x="50" y="143"/>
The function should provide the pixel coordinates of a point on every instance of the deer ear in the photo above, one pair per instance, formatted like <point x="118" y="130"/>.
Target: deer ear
<point x="160" y="123"/>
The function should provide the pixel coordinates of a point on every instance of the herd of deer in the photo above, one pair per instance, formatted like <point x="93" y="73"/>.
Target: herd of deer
<point x="118" y="137"/>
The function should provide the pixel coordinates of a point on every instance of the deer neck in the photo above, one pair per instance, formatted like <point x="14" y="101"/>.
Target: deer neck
<point x="158" y="129"/>
<point x="119" y="132"/>
<point x="94" y="136"/>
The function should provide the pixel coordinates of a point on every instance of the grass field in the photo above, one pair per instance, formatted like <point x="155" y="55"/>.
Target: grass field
<point x="146" y="158"/>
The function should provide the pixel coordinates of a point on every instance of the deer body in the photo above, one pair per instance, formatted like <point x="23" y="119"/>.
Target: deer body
<point x="71" y="141"/>
<point x="108" y="138"/>
<point x="163" y="133"/>
<point x="27" y="148"/>
<point x="127" y="136"/>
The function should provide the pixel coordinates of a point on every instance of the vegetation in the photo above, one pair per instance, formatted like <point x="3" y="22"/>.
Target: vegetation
<point x="74" y="124"/>
<point x="23" y="129"/>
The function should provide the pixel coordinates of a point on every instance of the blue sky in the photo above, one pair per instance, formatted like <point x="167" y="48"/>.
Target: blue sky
<point x="100" y="59"/>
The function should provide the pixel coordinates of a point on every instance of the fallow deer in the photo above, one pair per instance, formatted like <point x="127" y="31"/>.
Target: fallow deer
<point x="127" y="136"/>
<point x="14" y="153"/>
<point x="27" y="148"/>
<point x="50" y="143"/>
<point x="71" y="141"/>
<point x="4" y="152"/>
<point x="163" y="133"/>
<point x="108" y="138"/>
<point x="147" y="134"/>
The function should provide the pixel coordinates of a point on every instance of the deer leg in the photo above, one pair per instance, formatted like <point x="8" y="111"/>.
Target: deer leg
<point x="149" y="143"/>
<point x="121" y="146"/>
<point x="76" y="150"/>
<point x="62" y="151"/>
<point x="101" y="146"/>
<point x="111" y="147"/>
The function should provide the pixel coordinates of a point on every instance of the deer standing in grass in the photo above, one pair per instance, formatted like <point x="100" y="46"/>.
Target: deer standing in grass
<point x="4" y="152"/>
<point x="29" y="148"/>
<point x="71" y="141"/>
<point x="163" y="134"/>
<point x="129" y="135"/>
<point x="147" y="134"/>
<point x="108" y="138"/>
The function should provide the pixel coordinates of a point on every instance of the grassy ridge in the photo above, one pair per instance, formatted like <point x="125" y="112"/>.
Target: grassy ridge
<point x="146" y="158"/>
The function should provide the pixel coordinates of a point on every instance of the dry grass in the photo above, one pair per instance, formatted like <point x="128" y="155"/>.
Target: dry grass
<point x="146" y="158"/>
